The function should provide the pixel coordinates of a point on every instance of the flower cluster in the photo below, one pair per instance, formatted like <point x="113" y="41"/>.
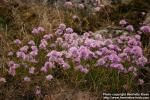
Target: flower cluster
<point x="95" y="4"/>
<point x="66" y="49"/>
<point x="38" y="30"/>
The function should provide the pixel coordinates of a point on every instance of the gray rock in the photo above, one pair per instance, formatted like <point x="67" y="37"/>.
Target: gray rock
<point x="109" y="2"/>
<point x="147" y="19"/>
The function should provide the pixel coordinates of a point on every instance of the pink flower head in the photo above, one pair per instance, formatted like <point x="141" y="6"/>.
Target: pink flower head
<point x="132" y="69"/>
<point x="75" y="17"/>
<point x="143" y="13"/>
<point x="11" y="63"/>
<point x="65" y="66"/>
<point x="97" y="9"/>
<point x="130" y="28"/>
<point x="47" y="36"/>
<point x="59" y="32"/>
<point x="34" y="48"/>
<point x="34" y="53"/>
<point x="100" y="62"/>
<point x="69" y="30"/>
<point x="123" y="22"/>
<point x="42" y="46"/>
<point x="59" y="41"/>
<point x="62" y="26"/>
<point x="44" y="41"/>
<point x="117" y="66"/>
<point x="68" y="5"/>
<point x="49" y="77"/>
<point x="81" y="6"/>
<point x="127" y="50"/>
<point x="114" y="58"/>
<point x="17" y="41"/>
<point x="124" y="56"/>
<point x="145" y="29"/>
<point x="141" y="81"/>
<point x="10" y="53"/>
<point x="137" y="51"/>
<point x="2" y="79"/>
<point x="24" y="49"/>
<point x="73" y="51"/>
<point x="108" y="42"/>
<point x="44" y="69"/>
<point x="48" y="65"/>
<point x="12" y="71"/>
<point x="31" y="42"/>
<point x="32" y="70"/>
<point x="27" y="79"/>
<point x="84" y="70"/>
<point x="40" y="29"/>
<point x="84" y="52"/>
<point x="54" y="53"/>
<point x="35" y="31"/>
<point x="142" y="61"/>
<point x="138" y="37"/>
<point x="38" y="91"/>
<point x="21" y="55"/>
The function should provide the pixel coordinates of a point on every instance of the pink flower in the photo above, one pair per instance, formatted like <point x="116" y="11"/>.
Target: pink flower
<point x="12" y="71"/>
<point x="37" y="91"/>
<point x="40" y="29"/>
<point x="143" y="13"/>
<point x="35" y="31"/>
<point x="69" y="30"/>
<point x="81" y="6"/>
<point x="27" y="79"/>
<point x="48" y="65"/>
<point x="2" y="79"/>
<point x="137" y="51"/>
<point x="108" y="42"/>
<point x="141" y="81"/>
<point x="84" y="70"/>
<point x="73" y="51"/>
<point x="123" y="22"/>
<point x="138" y="37"/>
<point x="32" y="70"/>
<point x="42" y="46"/>
<point x="49" y="77"/>
<point x="34" y="53"/>
<point x="11" y="63"/>
<point x="62" y="26"/>
<point x="68" y="5"/>
<point x="47" y="36"/>
<point x="17" y="41"/>
<point x="100" y="62"/>
<point x="10" y="53"/>
<point x="34" y="48"/>
<point x="31" y="42"/>
<point x="130" y="28"/>
<point x="75" y="17"/>
<point x="142" y="61"/>
<point x="117" y="66"/>
<point x="84" y="52"/>
<point x="97" y="9"/>
<point x="145" y="29"/>
<point x="65" y="66"/>
<point x="24" y="49"/>
<point x="132" y="69"/>
<point x="44" y="69"/>
<point x="21" y="55"/>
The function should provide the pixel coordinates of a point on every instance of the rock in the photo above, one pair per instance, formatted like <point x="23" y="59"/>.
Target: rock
<point x="110" y="32"/>
<point x="109" y="2"/>
<point x="147" y="19"/>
